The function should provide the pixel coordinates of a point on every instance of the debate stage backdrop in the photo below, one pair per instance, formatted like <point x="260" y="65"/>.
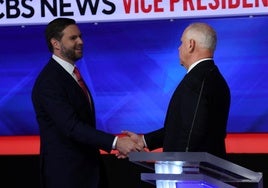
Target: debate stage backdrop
<point x="132" y="69"/>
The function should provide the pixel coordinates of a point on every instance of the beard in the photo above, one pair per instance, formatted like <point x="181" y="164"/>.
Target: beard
<point x="71" y="54"/>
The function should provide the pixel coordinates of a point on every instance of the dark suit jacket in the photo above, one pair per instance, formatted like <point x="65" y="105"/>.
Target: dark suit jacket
<point x="209" y="128"/>
<point x="70" y="143"/>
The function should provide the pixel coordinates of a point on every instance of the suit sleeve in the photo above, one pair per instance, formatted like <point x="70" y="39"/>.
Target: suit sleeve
<point x="56" y="110"/>
<point x="154" y="139"/>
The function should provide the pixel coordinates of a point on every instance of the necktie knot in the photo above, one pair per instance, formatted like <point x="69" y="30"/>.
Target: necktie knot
<point x="80" y="81"/>
<point x="77" y="73"/>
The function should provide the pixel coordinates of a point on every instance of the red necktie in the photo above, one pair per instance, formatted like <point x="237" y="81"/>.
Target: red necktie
<point x="82" y="84"/>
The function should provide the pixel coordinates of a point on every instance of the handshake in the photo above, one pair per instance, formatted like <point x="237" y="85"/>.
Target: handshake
<point x="128" y="143"/>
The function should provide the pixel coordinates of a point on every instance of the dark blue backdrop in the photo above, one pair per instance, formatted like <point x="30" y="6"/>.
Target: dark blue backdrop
<point x="132" y="69"/>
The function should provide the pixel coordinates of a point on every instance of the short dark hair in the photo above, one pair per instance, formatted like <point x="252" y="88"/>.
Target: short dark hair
<point x="54" y="29"/>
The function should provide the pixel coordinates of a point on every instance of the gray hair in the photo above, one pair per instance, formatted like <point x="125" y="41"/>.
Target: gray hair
<point x="203" y="34"/>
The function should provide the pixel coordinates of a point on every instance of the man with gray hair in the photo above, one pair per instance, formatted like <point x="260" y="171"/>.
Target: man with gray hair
<point x="198" y="111"/>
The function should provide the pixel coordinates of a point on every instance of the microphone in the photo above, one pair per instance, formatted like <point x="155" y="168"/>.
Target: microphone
<point x="196" y="109"/>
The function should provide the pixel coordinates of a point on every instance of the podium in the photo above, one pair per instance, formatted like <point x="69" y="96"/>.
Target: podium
<point x="194" y="170"/>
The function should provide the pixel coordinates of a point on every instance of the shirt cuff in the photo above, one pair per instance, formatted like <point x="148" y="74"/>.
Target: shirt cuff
<point x="145" y="144"/>
<point x="114" y="143"/>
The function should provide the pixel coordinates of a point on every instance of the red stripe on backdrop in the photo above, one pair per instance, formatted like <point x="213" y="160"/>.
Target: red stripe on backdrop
<point x="19" y="145"/>
<point x="235" y="143"/>
<point x="247" y="143"/>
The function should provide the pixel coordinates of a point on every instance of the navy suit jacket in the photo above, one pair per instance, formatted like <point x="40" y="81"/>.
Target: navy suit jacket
<point x="70" y="143"/>
<point x="209" y="127"/>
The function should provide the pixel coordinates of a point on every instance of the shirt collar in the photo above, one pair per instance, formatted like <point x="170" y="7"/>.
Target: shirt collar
<point x="67" y="66"/>
<point x="196" y="63"/>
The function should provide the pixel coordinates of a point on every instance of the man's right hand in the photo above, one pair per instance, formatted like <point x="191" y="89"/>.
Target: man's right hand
<point x="135" y="137"/>
<point x="125" y="145"/>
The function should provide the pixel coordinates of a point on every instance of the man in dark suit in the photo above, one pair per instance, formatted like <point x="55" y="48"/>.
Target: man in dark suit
<point x="70" y="143"/>
<point x="198" y="111"/>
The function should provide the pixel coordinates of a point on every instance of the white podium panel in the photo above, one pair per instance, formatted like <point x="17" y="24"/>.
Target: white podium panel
<point x="194" y="170"/>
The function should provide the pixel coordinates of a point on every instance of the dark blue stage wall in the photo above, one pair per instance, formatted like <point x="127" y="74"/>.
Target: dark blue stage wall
<point x="133" y="68"/>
